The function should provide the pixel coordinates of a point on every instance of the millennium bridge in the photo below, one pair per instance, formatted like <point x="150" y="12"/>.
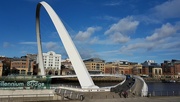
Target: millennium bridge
<point x="130" y="86"/>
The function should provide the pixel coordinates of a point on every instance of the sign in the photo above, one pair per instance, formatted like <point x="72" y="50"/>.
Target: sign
<point x="32" y="83"/>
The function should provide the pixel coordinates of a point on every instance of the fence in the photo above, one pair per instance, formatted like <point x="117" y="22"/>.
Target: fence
<point x="164" y="93"/>
<point x="26" y="97"/>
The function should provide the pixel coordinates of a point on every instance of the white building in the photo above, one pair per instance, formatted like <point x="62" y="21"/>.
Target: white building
<point x="52" y="63"/>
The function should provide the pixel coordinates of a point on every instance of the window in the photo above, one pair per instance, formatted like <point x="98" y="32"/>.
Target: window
<point x="155" y="71"/>
<point x="160" y="72"/>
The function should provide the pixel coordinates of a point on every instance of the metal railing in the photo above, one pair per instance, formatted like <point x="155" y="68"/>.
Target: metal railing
<point x="26" y="97"/>
<point x="164" y="93"/>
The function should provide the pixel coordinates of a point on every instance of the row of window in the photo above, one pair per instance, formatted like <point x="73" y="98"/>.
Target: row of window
<point x="51" y="68"/>
<point x="97" y="64"/>
<point x="20" y="66"/>
<point x="18" y="63"/>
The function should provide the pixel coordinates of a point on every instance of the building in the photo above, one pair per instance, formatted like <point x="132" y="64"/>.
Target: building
<point x="171" y="68"/>
<point x="1" y="68"/>
<point x="6" y="63"/>
<point x="148" y="68"/>
<point x="95" y="64"/>
<point x="66" y="68"/>
<point x="136" y="68"/>
<point x="67" y="63"/>
<point x="123" y="67"/>
<point x="157" y="73"/>
<point x="119" y="67"/>
<point x="22" y="66"/>
<point x="52" y="63"/>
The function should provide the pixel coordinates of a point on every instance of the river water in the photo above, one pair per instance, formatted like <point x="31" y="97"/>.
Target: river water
<point x="159" y="86"/>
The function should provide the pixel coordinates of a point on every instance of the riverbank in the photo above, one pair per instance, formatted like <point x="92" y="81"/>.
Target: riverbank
<point x="164" y="80"/>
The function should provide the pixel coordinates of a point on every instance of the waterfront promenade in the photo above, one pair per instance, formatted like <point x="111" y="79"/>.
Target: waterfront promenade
<point x="47" y="96"/>
<point x="137" y="99"/>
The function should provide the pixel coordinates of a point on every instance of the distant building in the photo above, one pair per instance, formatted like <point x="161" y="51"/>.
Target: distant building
<point x="22" y="66"/>
<point x="136" y="68"/>
<point x="157" y="72"/>
<point x="123" y="67"/>
<point x="1" y="68"/>
<point x="171" y="68"/>
<point x="120" y="67"/>
<point x="6" y="63"/>
<point x="149" y="68"/>
<point x="67" y="63"/>
<point x="95" y="64"/>
<point x="52" y="63"/>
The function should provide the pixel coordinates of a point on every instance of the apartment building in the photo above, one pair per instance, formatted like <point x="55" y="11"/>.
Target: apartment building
<point x="123" y="67"/>
<point x="22" y="66"/>
<point x="1" y="68"/>
<point x="52" y="63"/>
<point x="150" y="68"/>
<point x="95" y="64"/>
<point x="116" y="68"/>
<point x="157" y="72"/>
<point x="171" y="68"/>
<point x="136" y="68"/>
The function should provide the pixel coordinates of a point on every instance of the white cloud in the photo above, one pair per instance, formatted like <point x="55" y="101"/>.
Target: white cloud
<point x="28" y="43"/>
<point x="51" y="45"/>
<point x="125" y="26"/>
<point x="7" y="44"/>
<point x="160" y="40"/>
<point x="118" y="32"/>
<point x="82" y="36"/>
<point x="119" y="38"/>
<point x="108" y="18"/>
<point x="163" y="32"/>
<point x="169" y="9"/>
<point x="112" y="3"/>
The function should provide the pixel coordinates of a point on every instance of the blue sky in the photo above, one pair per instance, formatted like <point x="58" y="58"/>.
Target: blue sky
<point x="132" y="30"/>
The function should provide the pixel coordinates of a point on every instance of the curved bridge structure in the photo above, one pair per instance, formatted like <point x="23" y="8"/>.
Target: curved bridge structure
<point x="81" y="71"/>
<point x="82" y="74"/>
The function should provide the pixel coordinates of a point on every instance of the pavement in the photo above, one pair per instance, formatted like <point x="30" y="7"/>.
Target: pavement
<point x="137" y="99"/>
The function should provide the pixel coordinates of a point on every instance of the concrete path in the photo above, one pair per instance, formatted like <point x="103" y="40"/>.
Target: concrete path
<point x="138" y="99"/>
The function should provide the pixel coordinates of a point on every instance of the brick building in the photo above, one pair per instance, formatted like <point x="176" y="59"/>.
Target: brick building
<point x="1" y="68"/>
<point x="123" y="67"/>
<point x="148" y="68"/>
<point x="95" y="64"/>
<point x="171" y="68"/>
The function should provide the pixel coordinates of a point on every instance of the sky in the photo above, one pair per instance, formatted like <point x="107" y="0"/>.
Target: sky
<point x="112" y="30"/>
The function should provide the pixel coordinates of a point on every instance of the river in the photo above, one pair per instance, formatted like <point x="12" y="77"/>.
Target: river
<point x="159" y="86"/>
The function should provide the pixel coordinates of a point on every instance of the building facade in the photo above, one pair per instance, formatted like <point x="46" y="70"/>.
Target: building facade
<point x="171" y="68"/>
<point x="157" y="73"/>
<point x="148" y="68"/>
<point x="119" y="67"/>
<point x="22" y="66"/>
<point x="52" y="63"/>
<point x="136" y="68"/>
<point x="1" y="68"/>
<point x="95" y="64"/>
<point x="123" y="67"/>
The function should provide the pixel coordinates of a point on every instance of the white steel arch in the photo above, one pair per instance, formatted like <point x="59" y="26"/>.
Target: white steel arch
<point x="81" y="71"/>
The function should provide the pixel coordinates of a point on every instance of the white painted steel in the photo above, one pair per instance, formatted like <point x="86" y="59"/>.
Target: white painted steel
<point x="81" y="71"/>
